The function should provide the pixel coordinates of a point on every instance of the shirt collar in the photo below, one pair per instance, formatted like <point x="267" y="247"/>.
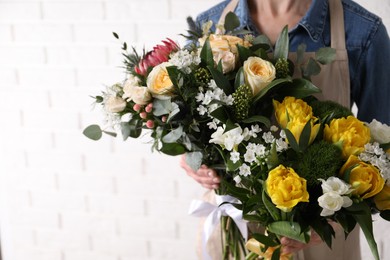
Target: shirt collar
<point x="313" y="22"/>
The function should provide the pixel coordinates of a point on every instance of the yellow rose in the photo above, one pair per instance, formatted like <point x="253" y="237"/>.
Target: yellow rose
<point x="295" y="108"/>
<point x="256" y="247"/>
<point x="227" y="59"/>
<point x="293" y="114"/>
<point x="285" y="188"/>
<point x="258" y="73"/>
<point x="158" y="81"/>
<point x="220" y="43"/>
<point x="364" y="178"/>
<point x="115" y="104"/>
<point x="351" y="132"/>
<point x="296" y="126"/>
<point x="382" y="199"/>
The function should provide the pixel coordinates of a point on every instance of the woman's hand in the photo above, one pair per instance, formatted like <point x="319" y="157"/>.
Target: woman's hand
<point x="290" y="246"/>
<point x="207" y="177"/>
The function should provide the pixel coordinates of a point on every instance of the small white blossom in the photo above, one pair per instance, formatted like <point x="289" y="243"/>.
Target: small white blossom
<point x="237" y="179"/>
<point x="274" y="128"/>
<point x="331" y="202"/>
<point x="229" y="140"/>
<point x="212" y="125"/>
<point x="281" y="145"/>
<point x="334" y="184"/>
<point x="245" y="170"/>
<point x="249" y="156"/>
<point x="268" y="137"/>
<point x="234" y="156"/>
<point x="202" y="110"/>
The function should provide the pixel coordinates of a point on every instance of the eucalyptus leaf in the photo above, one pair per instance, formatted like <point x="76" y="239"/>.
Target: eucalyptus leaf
<point x="311" y="69"/>
<point x="110" y="133"/>
<point x="93" y="132"/>
<point x="282" y="45"/>
<point x="162" y="107"/>
<point x="135" y="127"/>
<point x="325" y="55"/>
<point x="241" y="32"/>
<point x="262" y="40"/>
<point x="175" y="110"/>
<point x="194" y="160"/>
<point x="173" y="135"/>
<point x="115" y="35"/>
<point x="243" y="53"/>
<point x="301" y="53"/>
<point x="231" y="21"/>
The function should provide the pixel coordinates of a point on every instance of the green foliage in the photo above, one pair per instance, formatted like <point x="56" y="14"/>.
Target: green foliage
<point x="202" y="76"/>
<point x="93" y="132"/>
<point x="242" y="100"/>
<point x="282" y="68"/>
<point x="231" y="21"/>
<point x="282" y="45"/>
<point x="329" y="110"/>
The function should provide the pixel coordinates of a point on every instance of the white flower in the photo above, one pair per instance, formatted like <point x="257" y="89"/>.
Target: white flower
<point x="336" y="185"/>
<point x="249" y="156"/>
<point x="212" y="124"/>
<point x="237" y="179"/>
<point x="281" y="145"/>
<point x="202" y="110"/>
<point x="245" y="170"/>
<point x="332" y="202"/>
<point x="268" y="137"/>
<point x="379" y="132"/>
<point x="227" y="59"/>
<point x="234" y="156"/>
<point x="115" y="104"/>
<point x="274" y="128"/>
<point x="229" y="140"/>
<point x="183" y="60"/>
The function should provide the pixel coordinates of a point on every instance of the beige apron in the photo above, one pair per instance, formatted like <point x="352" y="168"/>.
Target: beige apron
<point x="334" y="82"/>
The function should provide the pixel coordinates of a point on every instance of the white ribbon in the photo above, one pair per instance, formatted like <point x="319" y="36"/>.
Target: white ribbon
<point x="199" y="208"/>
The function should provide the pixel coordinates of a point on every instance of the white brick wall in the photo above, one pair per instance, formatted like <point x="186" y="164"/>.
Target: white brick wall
<point x="62" y="196"/>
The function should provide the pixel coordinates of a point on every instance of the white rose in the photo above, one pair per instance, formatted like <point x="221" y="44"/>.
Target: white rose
<point x="115" y="104"/>
<point x="128" y="86"/>
<point x="334" y="184"/>
<point x="159" y="82"/>
<point x="141" y="95"/>
<point x="229" y="139"/>
<point x="379" y="132"/>
<point x="228" y="60"/>
<point x="258" y="73"/>
<point x="332" y="202"/>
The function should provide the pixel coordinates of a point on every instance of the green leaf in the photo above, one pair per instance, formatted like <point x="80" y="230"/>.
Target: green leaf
<point x="194" y="160"/>
<point x="365" y="222"/>
<point x="221" y="81"/>
<point x="301" y="53"/>
<point x="273" y="211"/>
<point x="262" y="40"/>
<point x="347" y="173"/>
<point x="269" y="87"/>
<point x="175" y="110"/>
<point x="173" y="135"/>
<point x="220" y="113"/>
<point x="282" y="45"/>
<point x="272" y="158"/>
<point x="312" y="68"/>
<point x="173" y="73"/>
<point x="172" y="149"/>
<point x="300" y="88"/>
<point x="265" y="240"/>
<point x="385" y="215"/>
<point x="276" y="254"/>
<point x="240" y="78"/>
<point x="258" y="119"/>
<point x="133" y="128"/>
<point x="109" y="133"/>
<point x="115" y="35"/>
<point x="325" y="55"/>
<point x="230" y="125"/>
<point x="231" y="21"/>
<point x="291" y="140"/>
<point x="289" y="229"/>
<point x="162" y="107"/>
<point x="93" y="132"/>
<point x="304" y="138"/>
<point x="385" y="147"/>
<point x="243" y="53"/>
<point x="206" y="54"/>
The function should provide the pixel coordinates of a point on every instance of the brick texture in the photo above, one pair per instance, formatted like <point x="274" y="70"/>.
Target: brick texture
<point x="62" y="196"/>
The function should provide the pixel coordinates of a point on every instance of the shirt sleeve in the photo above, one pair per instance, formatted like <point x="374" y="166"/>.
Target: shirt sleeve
<point x="373" y="78"/>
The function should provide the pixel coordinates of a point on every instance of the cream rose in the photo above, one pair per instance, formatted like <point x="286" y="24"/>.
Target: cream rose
<point x="158" y="81"/>
<point x="227" y="59"/>
<point x="331" y="202"/>
<point x="133" y="91"/>
<point x="258" y="73"/>
<point x="379" y="132"/>
<point x="115" y="104"/>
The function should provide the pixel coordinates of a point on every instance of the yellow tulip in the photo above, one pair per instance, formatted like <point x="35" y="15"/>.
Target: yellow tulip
<point x="382" y="199"/>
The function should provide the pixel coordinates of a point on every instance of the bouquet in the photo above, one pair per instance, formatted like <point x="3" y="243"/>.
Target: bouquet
<point x="288" y="162"/>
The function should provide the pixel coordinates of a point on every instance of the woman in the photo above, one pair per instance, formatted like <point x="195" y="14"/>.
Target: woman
<point x="358" y="75"/>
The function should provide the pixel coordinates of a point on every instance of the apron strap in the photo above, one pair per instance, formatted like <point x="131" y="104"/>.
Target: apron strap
<point x="337" y="31"/>
<point x="229" y="8"/>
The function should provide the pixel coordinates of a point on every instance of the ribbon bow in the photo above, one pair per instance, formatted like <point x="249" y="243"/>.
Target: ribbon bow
<point x="199" y="208"/>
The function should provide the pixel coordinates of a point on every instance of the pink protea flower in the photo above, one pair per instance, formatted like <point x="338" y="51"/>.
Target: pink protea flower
<point x="158" y="55"/>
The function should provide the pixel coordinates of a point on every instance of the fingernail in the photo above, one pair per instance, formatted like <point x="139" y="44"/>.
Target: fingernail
<point x="216" y="180"/>
<point x="210" y="174"/>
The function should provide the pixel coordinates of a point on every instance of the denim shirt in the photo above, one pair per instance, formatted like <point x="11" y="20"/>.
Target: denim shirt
<point x="367" y="43"/>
